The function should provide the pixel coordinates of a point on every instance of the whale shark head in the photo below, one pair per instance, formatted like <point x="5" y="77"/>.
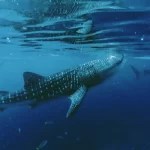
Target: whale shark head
<point x="115" y="60"/>
<point x="99" y="70"/>
<point x="110" y="64"/>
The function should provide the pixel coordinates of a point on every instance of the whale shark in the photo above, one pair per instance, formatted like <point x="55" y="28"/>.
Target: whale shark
<point x="73" y="16"/>
<point x="73" y="83"/>
<point x="68" y="8"/>
<point x="138" y="74"/>
<point x="51" y="12"/>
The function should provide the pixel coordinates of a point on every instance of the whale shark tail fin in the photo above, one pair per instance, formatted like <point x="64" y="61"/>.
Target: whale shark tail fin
<point x="137" y="73"/>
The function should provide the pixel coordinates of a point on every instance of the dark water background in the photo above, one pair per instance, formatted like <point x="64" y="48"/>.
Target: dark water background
<point x="113" y="115"/>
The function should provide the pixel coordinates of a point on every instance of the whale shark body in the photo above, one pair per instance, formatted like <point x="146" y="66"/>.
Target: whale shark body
<point x="73" y="83"/>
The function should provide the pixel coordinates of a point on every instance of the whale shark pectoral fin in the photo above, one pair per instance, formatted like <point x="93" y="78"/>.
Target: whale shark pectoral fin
<point x="76" y="99"/>
<point x="31" y="79"/>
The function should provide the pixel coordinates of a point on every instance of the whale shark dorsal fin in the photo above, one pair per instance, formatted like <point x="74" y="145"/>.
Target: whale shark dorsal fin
<point x="76" y="99"/>
<point x="31" y="79"/>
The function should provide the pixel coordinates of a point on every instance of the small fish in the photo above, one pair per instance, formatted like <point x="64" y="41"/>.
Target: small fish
<point x="78" y="138"/>
<point x="42" y="145"/>
<point x="49" y="122"/>
<point x="60" y="137"/>
<point x="19" y="130"/>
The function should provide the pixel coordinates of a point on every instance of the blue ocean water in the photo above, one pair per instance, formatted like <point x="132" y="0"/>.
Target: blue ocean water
<point x="113" y="116"/>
